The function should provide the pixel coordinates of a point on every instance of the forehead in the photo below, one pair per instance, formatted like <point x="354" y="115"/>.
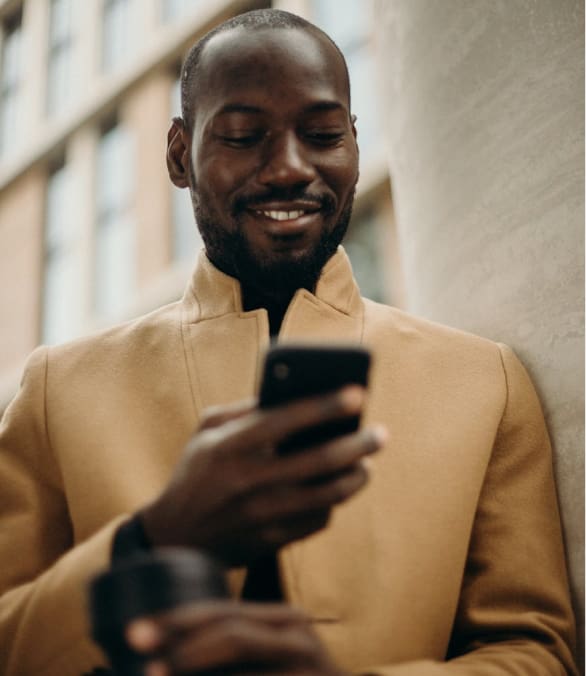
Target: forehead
<point x="281" y="64"/>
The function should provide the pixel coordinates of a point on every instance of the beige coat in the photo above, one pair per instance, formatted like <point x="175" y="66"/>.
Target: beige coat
<point x="458" y="531"/>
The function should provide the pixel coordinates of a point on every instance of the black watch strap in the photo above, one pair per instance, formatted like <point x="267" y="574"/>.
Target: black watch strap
<point x="129" y="540"/>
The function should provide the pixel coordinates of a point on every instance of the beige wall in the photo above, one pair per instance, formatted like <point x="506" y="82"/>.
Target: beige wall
<point x="485" y="118"/>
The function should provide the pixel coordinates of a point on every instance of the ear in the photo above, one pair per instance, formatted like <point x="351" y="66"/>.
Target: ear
<point x="178" y="148"/>
<point x="353" y="121"/>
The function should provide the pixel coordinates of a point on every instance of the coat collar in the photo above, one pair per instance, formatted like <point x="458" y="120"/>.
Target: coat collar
<point x="224" y="349"/>
<point x="212" y="294"/>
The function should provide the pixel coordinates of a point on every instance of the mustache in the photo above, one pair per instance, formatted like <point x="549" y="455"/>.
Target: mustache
<point x="323" y="201"/>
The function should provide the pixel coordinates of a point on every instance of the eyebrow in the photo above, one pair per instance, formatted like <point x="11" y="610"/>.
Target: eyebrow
<point x="239" y="108"/>
<point x="324" y="106"/>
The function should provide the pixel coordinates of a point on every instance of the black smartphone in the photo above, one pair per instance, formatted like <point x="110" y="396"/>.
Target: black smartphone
<point x="296" y="371"/>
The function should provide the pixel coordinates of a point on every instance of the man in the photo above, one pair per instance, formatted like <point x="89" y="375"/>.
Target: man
<point x="448" y="560"/>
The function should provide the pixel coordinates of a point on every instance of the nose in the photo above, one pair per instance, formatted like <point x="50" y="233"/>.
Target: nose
<point x="286" y="163"/>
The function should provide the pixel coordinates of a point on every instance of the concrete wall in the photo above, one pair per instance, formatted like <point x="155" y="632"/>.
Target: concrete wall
<point x="485" y="113"/>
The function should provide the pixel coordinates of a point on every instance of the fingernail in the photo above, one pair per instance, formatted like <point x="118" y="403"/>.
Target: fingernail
<point x="366" y="463"/>
<point x="143" y="634"/>
<point x="380" y="434"/>
<point x="352" y="398"/>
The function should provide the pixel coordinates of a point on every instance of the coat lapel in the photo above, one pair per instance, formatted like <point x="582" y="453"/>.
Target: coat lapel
<point x="224" y="350"/>
<point x="334" y="314"/>
<point x="223" y="344"/>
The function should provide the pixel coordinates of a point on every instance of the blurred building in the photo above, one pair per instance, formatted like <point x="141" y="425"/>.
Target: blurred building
<point x="91" y="230"/>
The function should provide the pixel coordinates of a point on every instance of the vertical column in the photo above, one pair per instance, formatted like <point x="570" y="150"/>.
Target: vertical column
<point x="153" y="191"/>
<point x="485" y="111"/>
<point x="81" y="161"/>
<point x="147" y="14"/>
<point x="35" y="24"/>
<point x="88" y="36"/>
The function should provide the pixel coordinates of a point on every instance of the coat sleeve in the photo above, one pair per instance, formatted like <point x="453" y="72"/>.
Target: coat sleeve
<point x="44" y="625"/>
<point x="514" y="615"/>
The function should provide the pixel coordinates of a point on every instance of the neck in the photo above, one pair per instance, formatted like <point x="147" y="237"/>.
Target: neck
<point x="276" y="306"/>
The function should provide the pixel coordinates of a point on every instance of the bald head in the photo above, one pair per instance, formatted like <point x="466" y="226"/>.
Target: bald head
<point x="251" y="28"/>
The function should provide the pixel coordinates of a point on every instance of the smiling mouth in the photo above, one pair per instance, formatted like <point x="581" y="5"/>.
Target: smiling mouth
<point x="278" y="215"/>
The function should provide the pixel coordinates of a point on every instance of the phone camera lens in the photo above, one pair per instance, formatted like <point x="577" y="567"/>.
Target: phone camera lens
<point x="281" y="371"/>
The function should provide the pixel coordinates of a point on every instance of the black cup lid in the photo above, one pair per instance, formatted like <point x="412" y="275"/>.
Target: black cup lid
<point x="150" y="583"/>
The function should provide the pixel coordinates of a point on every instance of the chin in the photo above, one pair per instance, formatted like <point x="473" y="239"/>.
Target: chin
<point x="284" y="271"/>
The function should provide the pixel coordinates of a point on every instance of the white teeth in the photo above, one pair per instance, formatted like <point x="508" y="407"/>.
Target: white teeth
<point x="282" y="215"/>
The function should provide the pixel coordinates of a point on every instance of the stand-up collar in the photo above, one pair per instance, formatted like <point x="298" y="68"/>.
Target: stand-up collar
<point x="211" y="293"/>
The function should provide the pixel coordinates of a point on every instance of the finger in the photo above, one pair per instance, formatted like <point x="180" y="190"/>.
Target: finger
<point x="144" y="635"/>
<point x="217" y="415"/>
<point x="148" y="634"/>
<point x="333" y="456"/>
<point x="295" y="504"/>
<point x="329" y="491"/>
<point x="269" y="427"/>
<point x="192" y="616"/>
<point x="240" y="640"/>
<point x="289" y="483"/>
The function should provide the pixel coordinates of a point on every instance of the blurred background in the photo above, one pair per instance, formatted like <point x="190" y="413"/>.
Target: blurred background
<point x="91" y="230"/>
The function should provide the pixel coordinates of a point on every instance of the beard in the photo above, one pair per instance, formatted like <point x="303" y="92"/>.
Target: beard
<point x="274" y="276"/>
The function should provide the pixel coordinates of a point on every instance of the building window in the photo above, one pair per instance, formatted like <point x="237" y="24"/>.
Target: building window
<point x="62" y="299"/>
<point x="116" y="33"/>
<point x="115" y="239"/>
<point x="363" y="246"/>
<point x="187" y="241"/>
<point x="349" y="24"/>
<point x="174" y="9"/>
<point x="60" y="55"/>
<point x="10" y="81"/>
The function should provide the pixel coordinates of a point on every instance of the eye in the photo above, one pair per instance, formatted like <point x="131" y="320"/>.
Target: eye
<point x="324" y="138"/>
<point x="241" y="139"/>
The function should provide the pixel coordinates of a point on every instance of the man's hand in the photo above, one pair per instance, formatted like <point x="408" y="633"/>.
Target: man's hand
<point x="233" y="497"/>
<point x="231" y="639"/>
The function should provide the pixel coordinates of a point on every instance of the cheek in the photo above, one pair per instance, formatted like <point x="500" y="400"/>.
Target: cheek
<point x="219" y="177"/>
<point x="341" y="173"/>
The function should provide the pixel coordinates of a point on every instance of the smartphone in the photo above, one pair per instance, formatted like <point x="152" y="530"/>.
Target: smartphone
<point x="298" y="371"/>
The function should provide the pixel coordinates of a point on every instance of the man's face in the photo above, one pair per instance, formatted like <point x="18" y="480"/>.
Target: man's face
<point x="274" y="161"/>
